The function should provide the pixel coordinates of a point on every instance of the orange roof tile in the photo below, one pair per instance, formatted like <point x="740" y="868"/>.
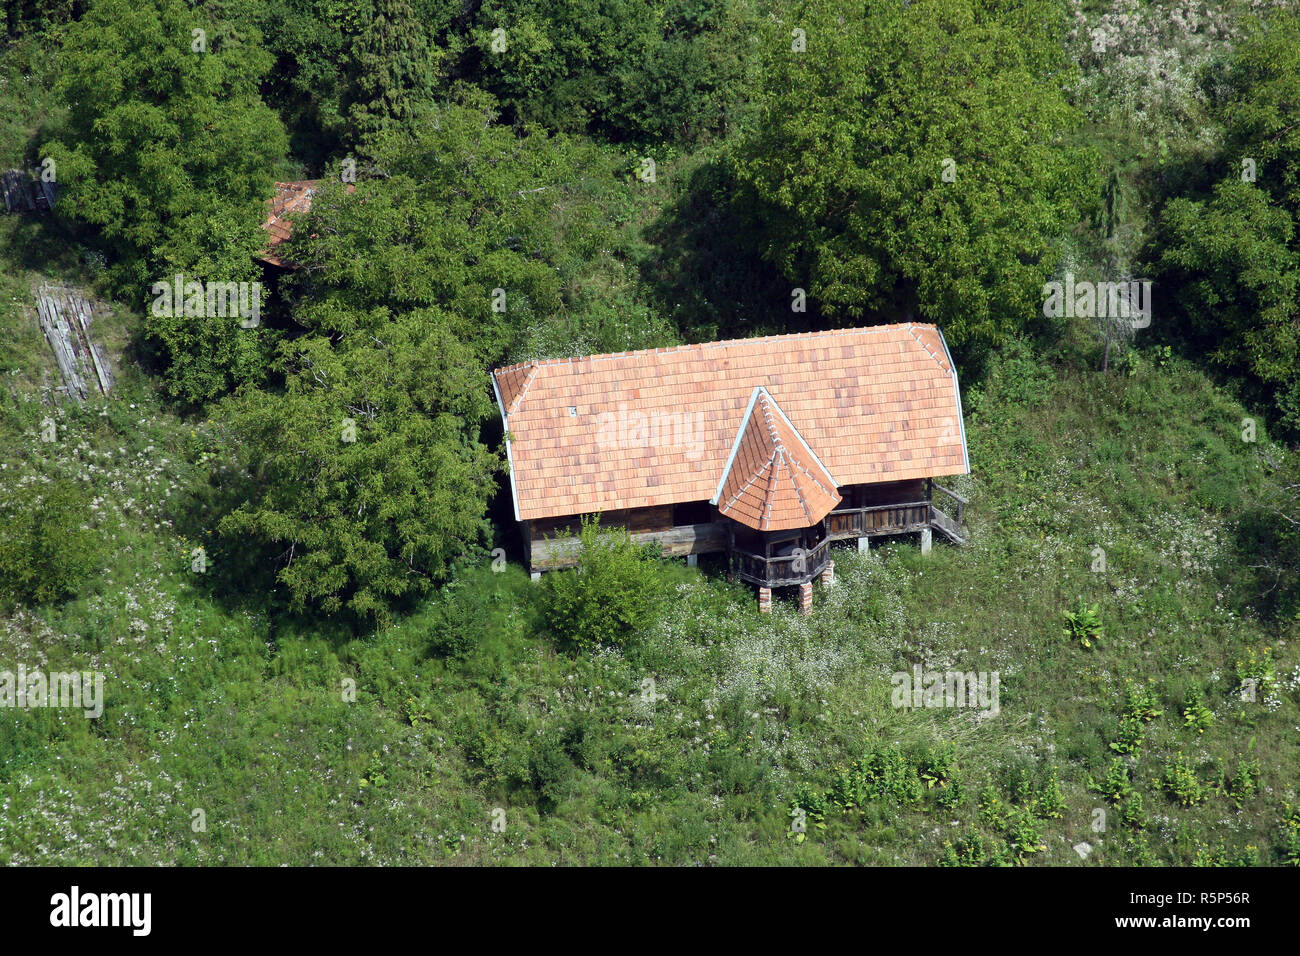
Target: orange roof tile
<point x="773" y="480"/>
<point x="290" y="198"/>
<point x="655" y="427"/>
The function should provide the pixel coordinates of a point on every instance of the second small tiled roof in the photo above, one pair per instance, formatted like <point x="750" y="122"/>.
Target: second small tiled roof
<point x="657" y="426"/>
<point x="773" y="481"/>
<point x="290" y="198"/>
<point x="293" y="197"/>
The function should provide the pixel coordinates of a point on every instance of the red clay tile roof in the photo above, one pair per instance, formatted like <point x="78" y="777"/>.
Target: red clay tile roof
<point x="773" y="480"/>
<point x="289" y="198"/>
<point x="656" y="427"/>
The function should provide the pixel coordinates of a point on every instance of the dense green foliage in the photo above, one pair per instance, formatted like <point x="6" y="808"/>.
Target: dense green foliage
<point x="612" y="594"/>
<point x="168" y="151"/>
<point x="368" y="476"/>
<point x="910" y="161"/>
<point x="280" y="543"/>
<point x="1232" y="258"/>
<point x="47" y="552"/>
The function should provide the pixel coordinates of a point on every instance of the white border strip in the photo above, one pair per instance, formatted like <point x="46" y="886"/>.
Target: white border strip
<point x="956" y="390"/>
<point x="735" y="445"/>
<point x="510" y="458"/>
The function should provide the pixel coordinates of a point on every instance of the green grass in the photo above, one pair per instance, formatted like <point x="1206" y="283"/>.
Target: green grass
<point x="219" y="703"/>
<point x="298" y="741"/>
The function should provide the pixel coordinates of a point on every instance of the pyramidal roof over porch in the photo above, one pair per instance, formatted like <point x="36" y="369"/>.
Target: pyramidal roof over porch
<point x="773" y="481"/>
<point x="667" y="426"/>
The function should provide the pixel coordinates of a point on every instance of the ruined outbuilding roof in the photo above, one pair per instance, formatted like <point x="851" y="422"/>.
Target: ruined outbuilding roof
<point x="293" y="198"/>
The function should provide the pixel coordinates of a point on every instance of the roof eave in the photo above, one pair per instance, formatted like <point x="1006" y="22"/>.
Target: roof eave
<point x="956" y="391"/>
<point x="510" y="458"/>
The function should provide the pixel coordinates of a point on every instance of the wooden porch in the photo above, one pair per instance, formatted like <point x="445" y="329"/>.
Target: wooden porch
<point x="760" y="562"/>
<point x="901" y="518"/>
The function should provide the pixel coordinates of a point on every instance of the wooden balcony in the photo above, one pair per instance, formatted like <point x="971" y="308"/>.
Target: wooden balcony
<point x="878" y="519"/>
<point x="799" y="567"/>
<point x="902" y="518"/>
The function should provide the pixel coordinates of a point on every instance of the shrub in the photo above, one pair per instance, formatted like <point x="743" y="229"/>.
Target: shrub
<point x="1290" y="827"/>
<point x="45" y="552"/>
<point x="1182" y="783"/>
<point x="612" y="594"/>
<point x="1083" y="624"/>
<point x="1117" y="786"/>
<point x="1195" y="714"/>
<point x="550" y="769"/>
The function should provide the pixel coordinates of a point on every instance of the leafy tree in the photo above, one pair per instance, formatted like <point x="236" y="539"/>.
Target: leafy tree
<point x="369" y="472"/>
<point x="24" y="16"/>
<point x="1231" y="266"/>
<point x="1231" y="260"/>
<point x="912" y="159"/>
<point x="309" y="42"/>
<point x="169" y="151"/>
<point x="626" y="69"/>
<point x="459" y="213"/>
<point x="613" y="592"/>
<point x="391" y="69"/>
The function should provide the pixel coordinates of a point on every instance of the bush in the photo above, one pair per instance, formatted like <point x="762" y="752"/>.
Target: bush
<point x="612" y="594"/>
<point x="45" y="552"/>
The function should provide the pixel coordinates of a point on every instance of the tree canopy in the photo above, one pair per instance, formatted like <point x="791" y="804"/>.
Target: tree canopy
<point x="169" y="151"/>
<point x="909" y="159"/>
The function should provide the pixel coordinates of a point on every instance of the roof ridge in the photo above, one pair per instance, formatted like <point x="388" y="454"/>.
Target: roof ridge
<point x="920" y="341"/>
<point x="764" y="397"/>
<point x="725" y="343"/>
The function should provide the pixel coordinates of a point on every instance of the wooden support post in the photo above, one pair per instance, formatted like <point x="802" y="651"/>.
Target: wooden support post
<point x="805" y="598"/>
<point x="828" y="574"/>
<point x="765" y="600"/>
<point x="926" y="540"/>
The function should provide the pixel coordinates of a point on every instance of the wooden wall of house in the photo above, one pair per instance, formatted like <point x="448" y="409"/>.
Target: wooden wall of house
<point x="553" y="544"/>
<point x="658" y="518"/>
<point x="882" y="493"/>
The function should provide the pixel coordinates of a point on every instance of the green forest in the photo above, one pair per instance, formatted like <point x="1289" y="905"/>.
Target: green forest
<point x="288" y="543"/>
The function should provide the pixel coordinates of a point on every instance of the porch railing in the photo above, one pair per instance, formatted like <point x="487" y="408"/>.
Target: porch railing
<point x="957" y="500"/>
<point x="780" y="571"/>
<point x="879" y="519"/>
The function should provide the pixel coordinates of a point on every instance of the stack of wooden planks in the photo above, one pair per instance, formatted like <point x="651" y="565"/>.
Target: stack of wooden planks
<point x="65" y="318"/>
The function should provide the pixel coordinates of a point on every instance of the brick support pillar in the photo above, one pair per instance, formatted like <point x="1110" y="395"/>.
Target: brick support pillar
<point x="927" y="536"/>
<point x="828" y="574"/>
<point x="805" y="598"/>
<point x="765" y="600"/>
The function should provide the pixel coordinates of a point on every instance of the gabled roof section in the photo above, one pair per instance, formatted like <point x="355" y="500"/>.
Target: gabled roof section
<point x="513" y="383"/>
<point x="773" y="481"/>
<point x="658" y="426"/>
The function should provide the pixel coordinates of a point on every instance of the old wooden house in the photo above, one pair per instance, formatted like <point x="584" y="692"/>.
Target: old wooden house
<point x="766" y="450"/>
